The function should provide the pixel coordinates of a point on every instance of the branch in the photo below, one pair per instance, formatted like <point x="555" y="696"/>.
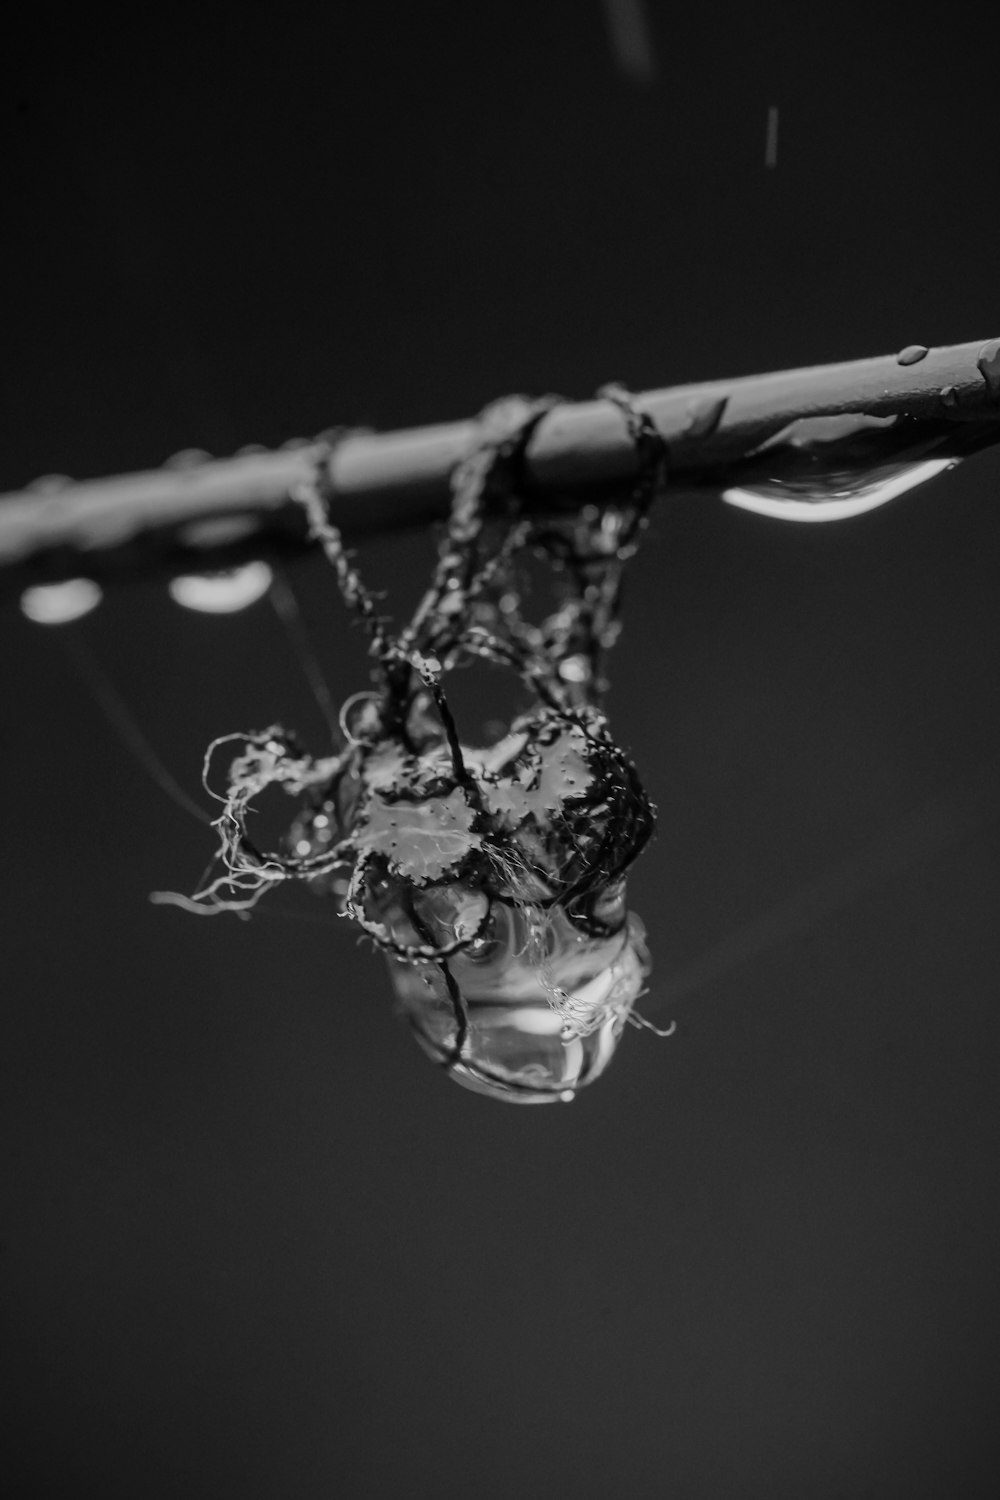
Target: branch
<point x="187" y="517"/>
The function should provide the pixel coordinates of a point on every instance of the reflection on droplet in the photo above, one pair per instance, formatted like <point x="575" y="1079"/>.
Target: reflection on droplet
<point x="817" y="499"/>
<point x="58" y="603"/>
<point x="574" y="669"/>
<point x="222" y="593"/>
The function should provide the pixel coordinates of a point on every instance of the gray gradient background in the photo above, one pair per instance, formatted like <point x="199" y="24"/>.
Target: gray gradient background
<point x="253" y="1244"/>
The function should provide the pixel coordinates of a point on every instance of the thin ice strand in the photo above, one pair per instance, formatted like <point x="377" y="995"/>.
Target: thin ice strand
<point x="286" y="607"/>
<point x="113" y="706"/>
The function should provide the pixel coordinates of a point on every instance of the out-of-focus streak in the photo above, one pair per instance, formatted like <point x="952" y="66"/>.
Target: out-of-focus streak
<point x="631" y="39"/>
<point x="286" y="607"/>
<point x="771" y="144"/>
<point x="112" y="705"/>
<point x="927" y="831"/>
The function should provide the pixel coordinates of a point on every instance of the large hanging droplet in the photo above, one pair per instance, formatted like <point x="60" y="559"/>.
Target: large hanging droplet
<point x="796" y="500"/>
<point x="540" y="1025"/>
<point x="830" y="468"/>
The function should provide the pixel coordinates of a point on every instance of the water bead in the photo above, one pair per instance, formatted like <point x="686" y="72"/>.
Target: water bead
<point x="59" y="603"/>
<point x="518" y="1047"/>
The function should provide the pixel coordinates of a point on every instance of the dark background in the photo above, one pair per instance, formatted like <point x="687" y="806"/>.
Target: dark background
<point x="253" y="1243"/>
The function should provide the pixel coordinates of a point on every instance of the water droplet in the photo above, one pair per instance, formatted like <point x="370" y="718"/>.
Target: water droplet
<point x="520" y="1048"/>
<point x="911" y="355"/>
<point x="948" y="395"/>
<point x="575" y="669"/>
<point x="222" y="593"/>
<point x="49" y="484"/>
<point x="830" y="468"/>
<point x="788" y="501"/>
<point x="58" y="603"/>
<point x="188" y="458"/>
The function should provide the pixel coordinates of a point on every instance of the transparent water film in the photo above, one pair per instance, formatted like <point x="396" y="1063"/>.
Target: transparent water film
<point x="493" y="878"/>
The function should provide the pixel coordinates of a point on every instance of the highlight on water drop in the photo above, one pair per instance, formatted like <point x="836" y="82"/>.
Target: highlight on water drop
<point x="59" y="603"/>
<point x="224" y="592"/>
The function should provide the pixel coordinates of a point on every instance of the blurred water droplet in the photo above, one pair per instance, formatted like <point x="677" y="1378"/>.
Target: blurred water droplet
<point x="911" y="355"/>
<point x="188" y="458"/>
<point x="49" y="484"/>
<point x="222" y="593"/>
<point x="58" y="603"/>
<point x="575" y="669"/>
<point x="988" y="365"/>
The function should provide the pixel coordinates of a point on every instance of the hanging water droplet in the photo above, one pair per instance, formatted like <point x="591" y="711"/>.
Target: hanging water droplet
<point x="787" y="500"/>
<point x="222" y="593"/>
<point x="830" y="468"/>
<point x="519" y="1047"/>
<point x="575" y="669"/>
<point x="58" y="603"/>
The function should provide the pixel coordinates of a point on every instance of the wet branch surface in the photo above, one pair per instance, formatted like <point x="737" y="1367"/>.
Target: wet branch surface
<point x="212" y="514"/>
